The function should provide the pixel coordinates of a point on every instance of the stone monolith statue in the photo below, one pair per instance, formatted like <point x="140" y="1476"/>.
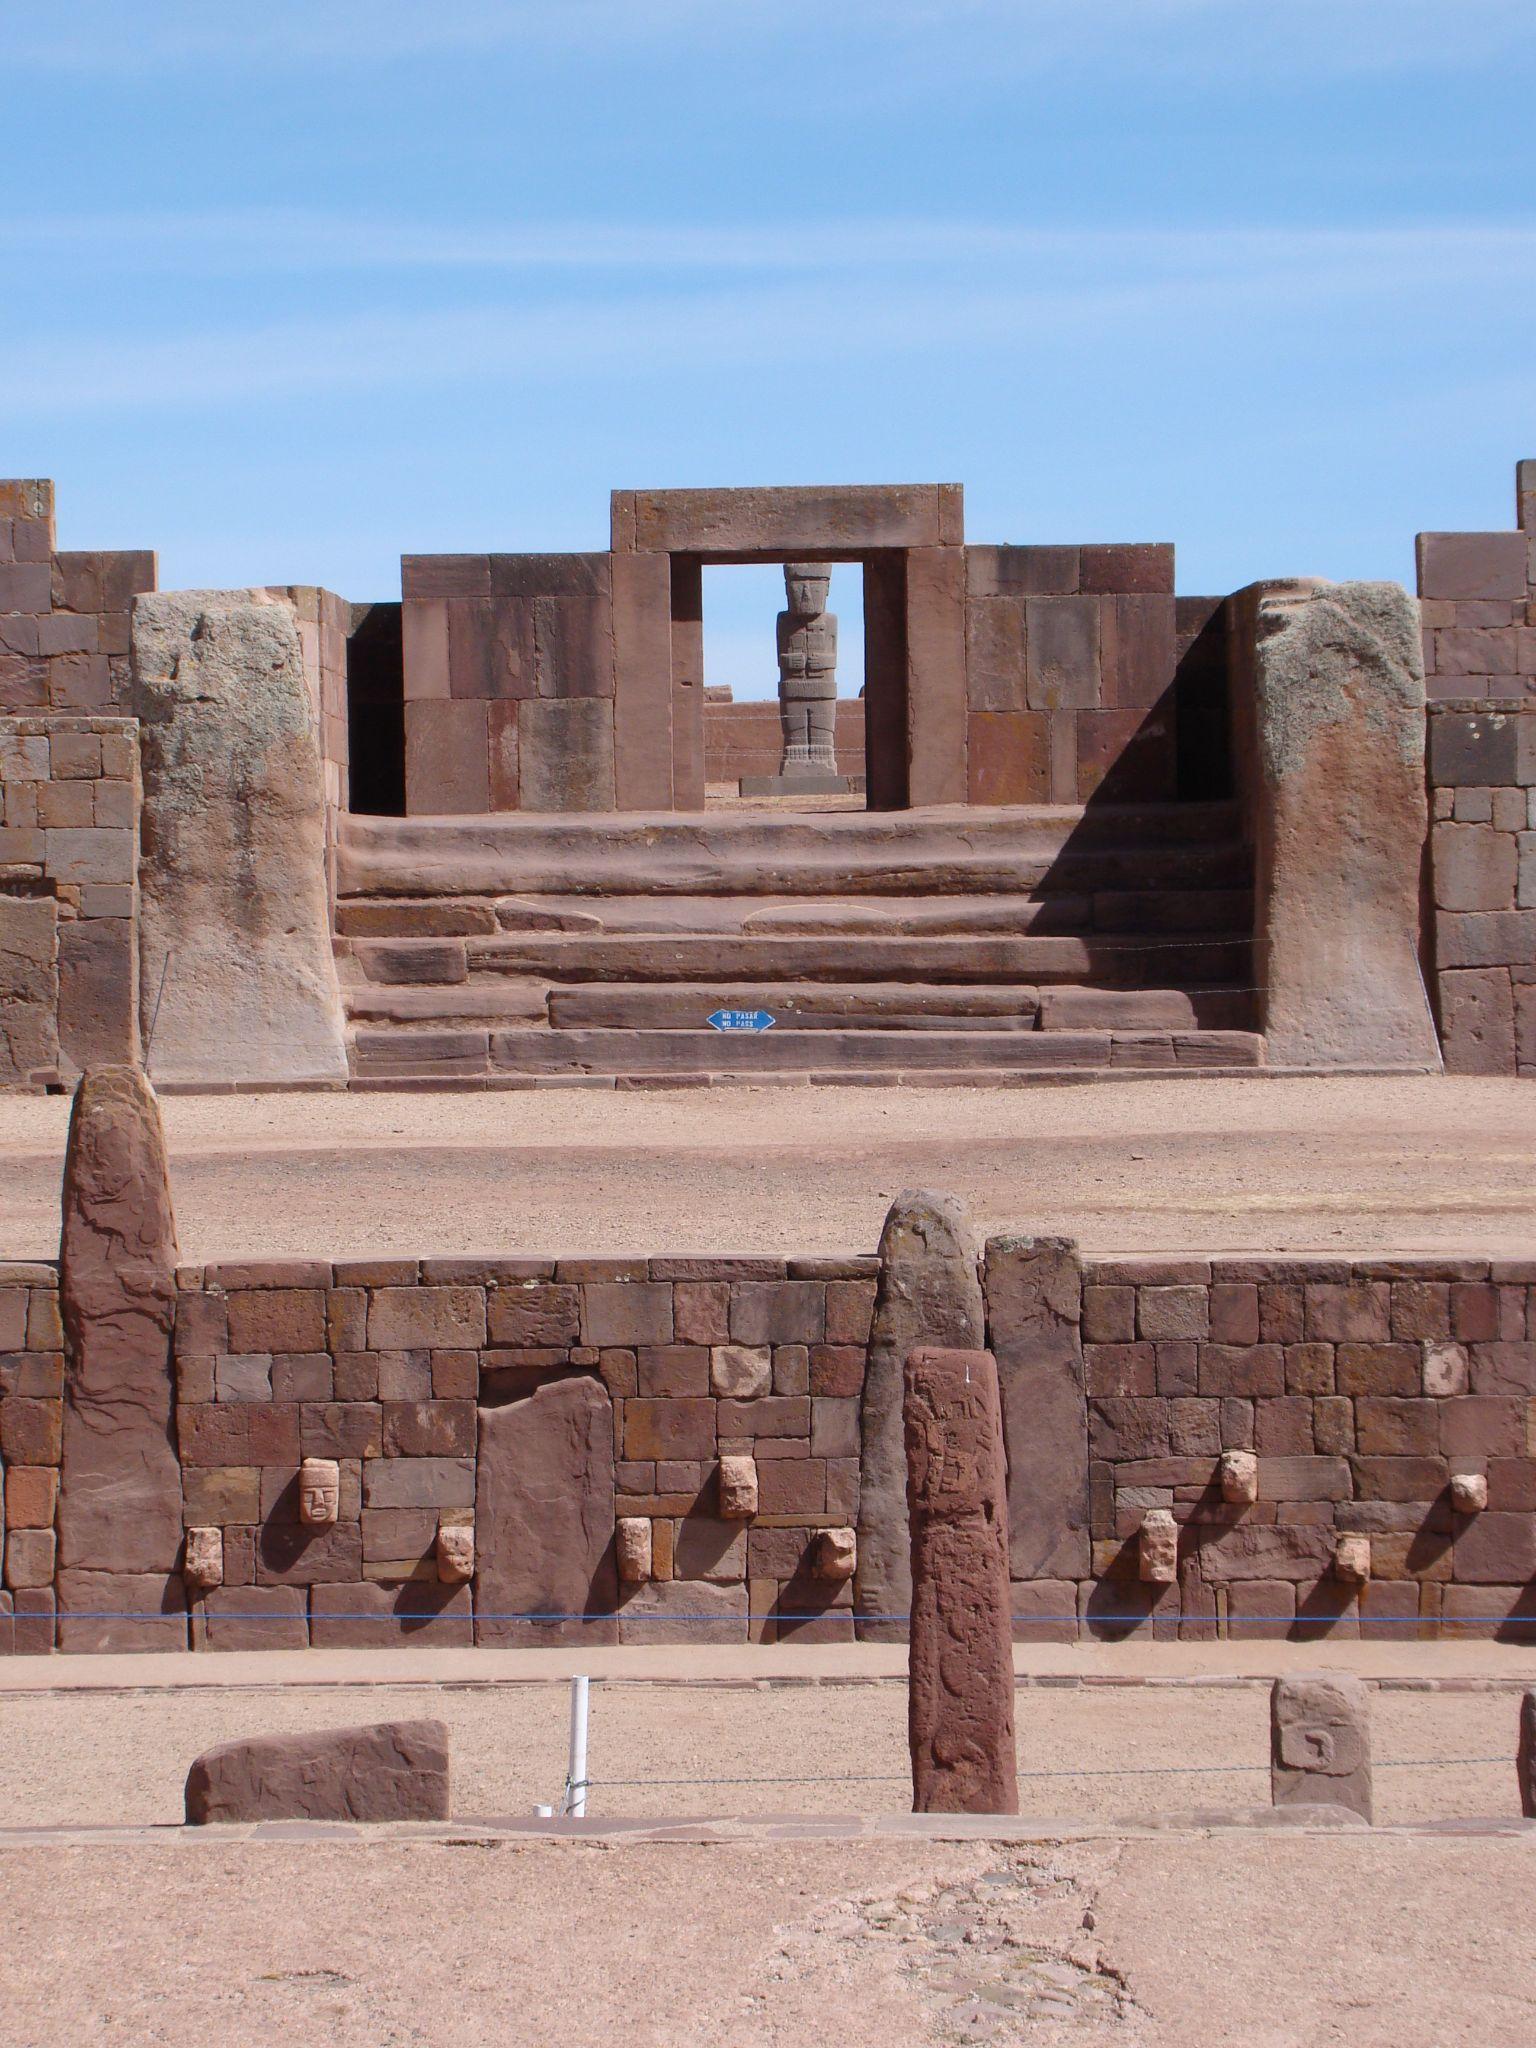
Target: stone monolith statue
<point x="807" y="641"/>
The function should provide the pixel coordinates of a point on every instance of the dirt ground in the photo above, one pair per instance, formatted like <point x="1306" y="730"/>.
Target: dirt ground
<point x="1417" y="1164"/>
<point x="1250" y="1939"/>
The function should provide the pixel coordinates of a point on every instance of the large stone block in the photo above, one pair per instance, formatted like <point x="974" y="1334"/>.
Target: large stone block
<point x="236" y="964"/>
<point x="1034" y="1307"/>
<point x="1320" y="1741"/>
<point x="29" y="989"/>
<point x="120" y="1498"/>
<point x="928" y="1294"/>
<point x="960" y="1702"/>
<point x="1337" y="757"/>
<point x="386" y="1770"/>
<point x="544" y="1517"/>
<point x="1477" y="1020"/>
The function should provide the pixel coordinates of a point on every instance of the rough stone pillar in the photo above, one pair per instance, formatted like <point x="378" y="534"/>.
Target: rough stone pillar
<point x="1034" y="1288"/>
<point x="235" y="915"/>
<point x="1320" y="1741"/>
<point x="1330" y="718"/>
<point x="1526" y="1755"/>
<point x="928" y="1293"/>
<point x="120" y="1532"/>
<point x="960" y="1687"/>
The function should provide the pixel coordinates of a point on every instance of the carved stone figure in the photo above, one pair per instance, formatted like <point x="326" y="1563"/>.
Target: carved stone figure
<point x="835" y="1554"/>
<point x="319" y="1492"/>
<point x="204" y="1567"/>
<point x="960" y="1698"/>
<point x="455" y="1553"/>
<point x="1352" y="1559"/>
<point x="807" y="642"/>
<point x="738" y="1488"/>
<point x="1320" y="1737"/>
<point x="1158" y="1559"/>
<point x="1469" y="1492"/>
<point x="1239" y="1478"/>
<point x="632" y="1547"/>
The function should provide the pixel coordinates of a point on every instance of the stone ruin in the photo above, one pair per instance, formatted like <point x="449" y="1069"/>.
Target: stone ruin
<point x="497" y="833"/>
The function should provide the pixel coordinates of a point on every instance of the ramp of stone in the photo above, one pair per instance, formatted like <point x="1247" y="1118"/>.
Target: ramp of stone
<point x="1032" y="941"/>
<point x="383" y="1770"/>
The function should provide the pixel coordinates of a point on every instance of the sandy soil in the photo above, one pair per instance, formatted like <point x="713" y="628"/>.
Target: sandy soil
<point x="1247" y="1939"/>
<point x="1339" y="1165"/>
<point x="99" y="1757"/>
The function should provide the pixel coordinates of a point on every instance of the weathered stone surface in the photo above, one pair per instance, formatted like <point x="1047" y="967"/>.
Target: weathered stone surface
<point x="834" y="1554"/>
<point x="1034" y="1309"/>
<point x="120" y="1489"/>
<point x="1336" y="757"/>
<point x="1526" y="1755"/>
<point x="960" y="1700"/>
<point x="234" y="913"/>
<point x="384" y="1770"/>
<point x="544" y="1516"/>
<point x="1239" y="1472"/>
<point x="928" y="1294"/>
<point x="1158" y="1548"/>
<point x="738" y="1487"/>
<point x="632" y="1548"/>
<point x="1352" y="1559"/>
<point x="319" y="1492"/>
<point x="455" y="1553"/>
<point x="29" y="989"/>
<point x="740" y="1370"/>
<point x="1469" y="1492"/>
<point x="1320" y="1742"/>
<point x="204" y="1566"/>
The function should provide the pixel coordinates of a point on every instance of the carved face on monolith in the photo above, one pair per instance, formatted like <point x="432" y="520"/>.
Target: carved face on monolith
<point x="806" y="585"/>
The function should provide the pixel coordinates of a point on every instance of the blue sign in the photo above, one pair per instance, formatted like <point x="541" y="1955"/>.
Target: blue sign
<point x="743" y="1020"/>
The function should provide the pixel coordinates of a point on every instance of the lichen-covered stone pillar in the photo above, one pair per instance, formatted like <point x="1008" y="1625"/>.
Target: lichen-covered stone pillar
<point x="120" y="1531"/>
<point x="928" y="1293"/>
<point x="1329" y="718"/>
<point x="960" y="1686"/>
<point x="237" y="971"/>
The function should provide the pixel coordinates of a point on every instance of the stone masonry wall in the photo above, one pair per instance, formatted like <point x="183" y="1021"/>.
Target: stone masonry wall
<point x="1362" y="1387"/>
<point x="1478" y="603"/>
<point x="69" y="854"/>
<point x="63" y="617"/>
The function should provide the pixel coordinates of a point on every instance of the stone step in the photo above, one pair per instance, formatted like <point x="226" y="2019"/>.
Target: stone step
<point x="1151" y="909"/>
<point x="466" y="1054"/>
<point x="1174" y="961"/>
<point x="872" y="1006"/>
<point x="937" y="850"/>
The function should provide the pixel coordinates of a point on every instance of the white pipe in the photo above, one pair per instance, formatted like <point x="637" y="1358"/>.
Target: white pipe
<point x="576" y="1774"/>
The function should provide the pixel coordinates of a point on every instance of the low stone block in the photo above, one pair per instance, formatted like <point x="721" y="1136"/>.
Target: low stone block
<point x="388" y="1770"/>
<point x="1320" y="1742"/>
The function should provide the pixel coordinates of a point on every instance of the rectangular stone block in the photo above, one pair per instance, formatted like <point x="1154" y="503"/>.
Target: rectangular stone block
<point x="419" y="1482"/>
<point x="1472" y="565"/>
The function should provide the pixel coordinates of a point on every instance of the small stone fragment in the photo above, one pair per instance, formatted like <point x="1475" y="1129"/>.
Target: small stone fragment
<point x="1239" y="1477"/>
<point x="834" y="1554"/>
<point x="1159" y="1547"/>
<point x="204" y="1567"/>
<point x="1320" y="1742"/>
<point x="319" y="1492"/>
<point x="1352" y="1559"/>
<point x="1469" y="1492"/>
<point x="455" y="1553"/>
<point x="632" y="1544"/>
<point x="387" y="1770"/>
<point x="738" y="1488"/>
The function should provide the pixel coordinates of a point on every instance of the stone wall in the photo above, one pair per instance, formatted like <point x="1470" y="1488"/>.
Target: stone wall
<point x="69" y="850"/>
<point x="747" y="738"/>
<point x="63" y="617"/>
<point x="1363" y="1388"/>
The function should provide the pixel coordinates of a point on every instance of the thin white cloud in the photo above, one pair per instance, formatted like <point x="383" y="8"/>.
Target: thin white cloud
<point x="1310" y="36"/>
<point x="1052" y="289"/>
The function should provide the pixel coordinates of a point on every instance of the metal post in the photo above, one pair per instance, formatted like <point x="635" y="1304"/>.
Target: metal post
<point x="576" y="1773"/>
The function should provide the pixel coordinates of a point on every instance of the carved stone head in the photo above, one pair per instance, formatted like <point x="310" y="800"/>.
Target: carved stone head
<point x="806" y="585"/>
<point x="319" y="1492"/>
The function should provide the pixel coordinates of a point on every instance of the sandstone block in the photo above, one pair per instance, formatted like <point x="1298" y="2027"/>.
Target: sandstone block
<point x="1320" y="1742"/>
<point x="1338" y="719"/>
<point x="1526" y="1755"/>
<point x="388" y="1770"/>
<point x="29" y="1558"/>
<point x="544" y="1516"/>
<point x="234" y="911"/>
<point x="960" y="1700"/>
<point x="1034" y="1302"/>
<point x="740" y="1371"/>
<point x="928" y="1293"/>
<point x="738" y="1488"/>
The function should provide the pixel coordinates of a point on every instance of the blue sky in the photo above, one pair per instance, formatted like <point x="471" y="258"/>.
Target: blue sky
<point x="289" y="288"/>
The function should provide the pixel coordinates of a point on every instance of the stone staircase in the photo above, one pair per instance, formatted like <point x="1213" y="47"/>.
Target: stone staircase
<point x="939" y="945"/>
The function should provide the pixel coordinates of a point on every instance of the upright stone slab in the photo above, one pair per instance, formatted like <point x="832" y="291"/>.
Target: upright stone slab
<point x="1320" y="1741"/>
<point x="119" y="1515"/>
<point x="385" y="1770"/>
<point x="928" y="1293"/>
<point x="1333" y="746"/>
<point x="1034" y="1290"/>
<point x="544" y="1525"/>
<point x="235" y="919"/>
<point x="1526" y="1755"/>
<point x="960" y="1688"/>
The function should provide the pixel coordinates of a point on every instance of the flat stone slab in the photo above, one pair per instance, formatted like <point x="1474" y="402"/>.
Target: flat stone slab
<point x="380" y="1771"/>
<point x="802" y="785"/>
